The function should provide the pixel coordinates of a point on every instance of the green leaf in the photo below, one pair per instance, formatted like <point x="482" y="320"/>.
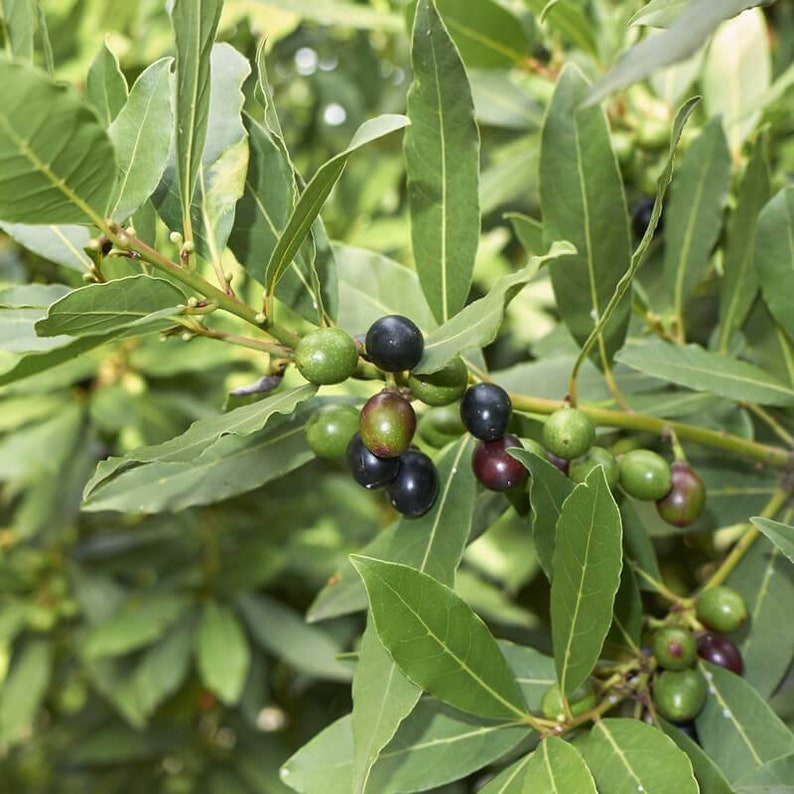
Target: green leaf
<point x="567" y="19"/>
<point x="34" y="363"/>
<point x="316" y="192"/>
<point x="137" y="134"/>
<point x="437" y="745"/>
<point x="774" y="257"/>
<point x="740" y="282"/>
<point x="230" y="466"/>
<point x="60" y="244"/>
<point x="382" y="698"/>
<point x="478" y="324"/>
<point x="627" y="615"/>
<point x="340" y="12"/>
<point x="773" y="777"/>
<point x="223" y="653"/>
<point x="765" y="579"/>
<point x="588" y="556"/>
<point x="508" y="781"/>
<point x="104" y="308"/>
<point x="499" y="101"/>
<point x="438" y="642"/>
<point x="19" y="27"/>
<point x="693" y="217"/>
<point x="106" y="86"/>
<point x="114" y="679"/>
<point x="703" y="370"/>
<point x="24" y="688"/>
<point x="637" y="544"/>
<point x="737" y="74"/>
<point x="628" y="756"/>
<point x="528" y="230"/>
<point x="325" y="763"/>
<point x="557" y="766"/>
<point x="659" y="13"/>
<point x="487" y="35"/>
<point x="137" y="623"/>
<point x="534" y="671"/>
<point x="736" y="727"/>
<point x="708" y="776"/>
<point x="782" y="535"/>
<point x="691" y="29"/>
<point x="195" y="23"/>
<point x="58" y="161"/>
<point x="548" y="489"/>
<point x="581" y="194"/>
<point x="442" y="155"/>
<point x="283" y="633"/>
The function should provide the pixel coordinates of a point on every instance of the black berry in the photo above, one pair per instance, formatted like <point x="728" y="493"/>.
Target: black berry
<point x="415" y="488"/>
<point x="394" y="343"/>
<point x="368" y="469"/>
<point x="721" y="651"/>
<point x="485" y="410"/>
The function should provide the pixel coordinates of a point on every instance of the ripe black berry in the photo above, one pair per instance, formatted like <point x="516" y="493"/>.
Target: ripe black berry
<point x="415" y="488"/>
<point x="368" y="469"/>
<point x="387" y="424"/>
<point x="495" y="468"/>
<point x="485" y="410"/>
<point x="721" y="651"/>
<point x="394" y="343"/>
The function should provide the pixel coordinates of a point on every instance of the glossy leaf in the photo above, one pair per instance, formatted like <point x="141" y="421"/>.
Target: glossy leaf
<point x="195" y="23"/>
<point x="737" y="73"/>
<point x="437" y="745"/>
<point x="534" y="671"/>
<point x="782" y="535"/>
<point x="587" y="560"/>
<point x="548" y="489"/>
<point x="437" y="641"/>
<point x="774" y="777"/>
<point x="222" y="652"/>
<point x="325" y="763"/>
<point x="693" y="217"/>
<point x="736" y="727"/>
<point x="557" y="766"/>
<point x="765" y="579"/>
<point x="691" y="29"/>
<point x="317" y="191"/>
<point x="626" y="756"/>
<point x="508" y="781"/>
<point x="442" y="153"/>
<point x="60" y="244"/>
<point x="739" y="285"/>
<point x="138" y="137"/>
<point x="703" y="370"/>
<point x="774" y="257"/>
<point x="59" y="166"/>
<point x="707" y="774"/>
<point x="106" y="86"/>
<point x="103" y="308"/>
<point x="478" y="323"/>
<point x="24" y="688"/>
<point x="581" y="193"/>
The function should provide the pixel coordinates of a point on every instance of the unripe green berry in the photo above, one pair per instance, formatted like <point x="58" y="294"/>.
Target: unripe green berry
<point x="597" y="456"/>
<point x="645" y="475"/>
<point x="326" y="356"/>
<point x="442" y="387"/>
<point x="674" y="647"/>
<point x="679" y="695"/>
<point x="721" y="609"/>
<point x="582" y="699"/>
<point x="568" y="433"/>
<point x="330" y="429"/>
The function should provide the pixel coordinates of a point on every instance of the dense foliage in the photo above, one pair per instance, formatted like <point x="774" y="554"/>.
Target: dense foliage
<point x="396" y="396"/>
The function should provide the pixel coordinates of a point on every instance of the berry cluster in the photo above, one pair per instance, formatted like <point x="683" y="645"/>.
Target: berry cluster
<point x="679" y="690"/>
<point x="377" y="441"/>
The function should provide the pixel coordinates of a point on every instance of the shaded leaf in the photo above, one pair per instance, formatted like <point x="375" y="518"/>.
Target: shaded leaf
<point x="500" y="102"/>
<point x="588" y="557"/>
<point x="508" y="781"/>
<point x="627" y="614"/>
<point x="60" y="244"/>
<point x="325" y="763"/>
<point x="24" y="688"/>
<point x="535" y="672"/>
<point x="442" y="164"/>
<point x="782" y="535"/>
<point x="19" y="27"/>
<point x="773" y="777"/>
<point x="708" y="776"/>
<point x="557" y="766"/>
<point x="569" y="21"/>
<point x="342" y="12"/>
<point x="223" y="653"/>
<point x="106" y="86"/>
<point x="437" y="641"/>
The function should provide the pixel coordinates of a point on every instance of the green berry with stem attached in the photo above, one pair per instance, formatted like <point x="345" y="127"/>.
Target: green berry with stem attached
<point x="568" y="433"/>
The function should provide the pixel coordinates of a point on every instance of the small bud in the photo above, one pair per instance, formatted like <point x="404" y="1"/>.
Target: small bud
<point x="186" y="336"/>
<point x="192" y="302"/>
<point x="93" y="244"/>
<point x="176" y="238"/>
<point x="131" y="231"/>
<point x="261" y="318"/>
<point x="122" y="240"/>
<point x="228" y="276"/>
<point x="189" y="247"/>
<point x="89" y="277"/>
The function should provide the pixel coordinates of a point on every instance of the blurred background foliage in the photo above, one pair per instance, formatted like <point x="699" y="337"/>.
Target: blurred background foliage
<point x="107" y="675"/>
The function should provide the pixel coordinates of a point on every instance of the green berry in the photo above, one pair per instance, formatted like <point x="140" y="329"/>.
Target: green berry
<point x="439" y="426"/>
<point x="679" y="695"/>
<point x="645" y="475"/>
<point x="597" y="456"/>
<point x="568" y="433"/>
<point x="326" y="356"/>
<point x="674" y="647"/>
<point x="582" y="699"/>
<point x="330" y="429"/>
<point x="721" y="609"/>
<point x="442" y="387"/>
<point x="387" y="424"/>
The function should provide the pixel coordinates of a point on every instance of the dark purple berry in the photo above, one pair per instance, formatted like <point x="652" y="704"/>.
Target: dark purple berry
<point x="394" y="343"/>
<point x="721" y="651"/>
<point x="415" y="488"/>
<point x="368" y="469"/>
<point x="559" y="463"/>
<point x="485" y="410"/>
<point x="495" y="468"/>
<point x="684" y="503"/>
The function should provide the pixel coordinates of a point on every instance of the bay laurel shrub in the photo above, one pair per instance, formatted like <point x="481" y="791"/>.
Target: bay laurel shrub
<point x="396" y="397"/>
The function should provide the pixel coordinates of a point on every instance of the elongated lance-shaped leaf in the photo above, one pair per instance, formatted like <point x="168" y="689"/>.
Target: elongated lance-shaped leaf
<point x="382" y="695"/>
<point x="477" y="325"/>
<point x="739" y="284"/>
<point x="195" y="23"/>
<point x="442" y="155"/>
<point x="557" y="766"/>
<point x="19" y="20"/>
<point x="581" y="195"/>
<point x="223" y="653"/>
<point x="588" y="557"/>
<point x="782" y="535"/>
<point x="628" y="755"/>
<point x="638" y="257"/>
<point x="313" y="197"/>
<point x="63" y="245"/>
<point x="774" y="257"/>
<point x="693" y="218"/>
<point x="138" y="136"/>
<point x="707" y="774"/>
<point x="24" y="688"/>
<point x="438" y="642"/>
<point x="58" y="162"/>
<point x="106" y="86"/>
<point x="774" y="776"/>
